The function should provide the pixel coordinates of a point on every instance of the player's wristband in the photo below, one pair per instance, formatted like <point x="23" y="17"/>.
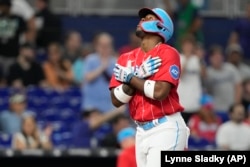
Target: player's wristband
<point x="149" y="87"/>
<point x="121" y="95"/>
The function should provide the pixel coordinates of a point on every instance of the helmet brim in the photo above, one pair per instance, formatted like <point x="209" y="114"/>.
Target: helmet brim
<point x="145" y="11"/>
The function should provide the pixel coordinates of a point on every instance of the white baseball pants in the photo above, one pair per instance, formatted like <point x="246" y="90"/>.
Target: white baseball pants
<point x="170" y="135"/>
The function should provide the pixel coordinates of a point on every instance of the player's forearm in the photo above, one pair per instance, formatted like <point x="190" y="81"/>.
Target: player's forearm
<point x="160" y="89"/>
<point x="128" y="90"/>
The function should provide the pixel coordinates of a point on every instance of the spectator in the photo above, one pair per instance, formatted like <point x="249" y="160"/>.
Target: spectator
<point x="12" y="27"/>
<point x="48" y="24"/>
<point x="119" y="122"/>
<point x="23" y="9"/>
<point x="134" y="42"/>
<point x="223" y="81"/>
<point x="78" y="66"/>
<point x="10" y="120"/>
<point x="187" y="21"/>
<point x="59" y="75"/>
<point x="72" y="48"/>
<point x="204" y="124"/>
<point x="126" y="139"/>
<point x="30" y="137"/>
<point x="234" y="134"/>
<point x="190" y="81"/>
<point x="246" y="95"/>
<point x="26" y="71"/>
<point x="234" y="55"/>
<point x="97" y="73"/>
<point x="241" y="32"/>
<point x="83" y="130"/>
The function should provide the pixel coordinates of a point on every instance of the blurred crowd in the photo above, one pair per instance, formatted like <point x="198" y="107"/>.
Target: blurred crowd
<point x="214" y="86"/>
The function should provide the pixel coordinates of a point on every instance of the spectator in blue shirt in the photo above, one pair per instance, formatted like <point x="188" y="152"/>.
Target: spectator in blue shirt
<point x="10" y="120"/>
<point x="97" y="73"/>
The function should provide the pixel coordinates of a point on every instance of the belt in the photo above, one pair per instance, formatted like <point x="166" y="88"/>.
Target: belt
<point x="150" y="124"/>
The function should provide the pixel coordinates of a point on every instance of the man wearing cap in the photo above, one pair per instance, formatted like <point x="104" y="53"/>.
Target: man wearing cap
<point x="235" y="56"/>
<point x="126" y="139"/>
<point x="147" y="79"/>
<point x="10" y="120"/>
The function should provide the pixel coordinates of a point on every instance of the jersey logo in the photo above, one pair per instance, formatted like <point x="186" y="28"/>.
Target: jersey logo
<point x="174" y="71"/>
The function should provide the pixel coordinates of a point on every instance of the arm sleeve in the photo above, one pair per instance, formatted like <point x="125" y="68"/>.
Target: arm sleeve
<point x="170" y="69"/>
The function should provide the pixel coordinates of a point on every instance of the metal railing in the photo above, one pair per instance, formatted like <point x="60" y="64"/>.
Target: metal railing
<point x="213" y="8"/>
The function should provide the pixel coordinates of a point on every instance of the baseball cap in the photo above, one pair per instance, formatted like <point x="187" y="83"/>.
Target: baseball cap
<point x="5" y="2"/>
<point x="17" y="98"/>
<point x="234" y="48"/>
<point x="125" y="133"/>
<point x="206" y="101"/>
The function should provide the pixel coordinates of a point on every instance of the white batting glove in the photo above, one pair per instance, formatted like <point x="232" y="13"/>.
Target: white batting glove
<point x="149" y="67"/>
<point x="123" y="74"/>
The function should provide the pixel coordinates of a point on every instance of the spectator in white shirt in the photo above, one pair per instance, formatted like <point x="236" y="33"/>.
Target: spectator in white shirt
<point x="234" y="56"/>
<point x="190" y="87"/>
<point x="223" y="82"/>
<point x="234" y="134"/>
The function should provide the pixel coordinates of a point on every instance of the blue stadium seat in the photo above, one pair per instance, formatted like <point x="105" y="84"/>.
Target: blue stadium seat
<point x="61" y="109"/>
<point x="4" y="97"/>
<point x="61" y="135"/>
<point x="68" y="115"/>
<point x="50" y="115"/>
<point x="199" y="144"/>
<point x="5" y="140"/>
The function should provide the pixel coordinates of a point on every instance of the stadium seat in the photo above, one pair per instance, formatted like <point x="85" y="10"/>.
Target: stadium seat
<point x="199" y="144"/>
<point x="4" y="96"/>
<point x="61" y="109"/>
<point x="5" y="140"/>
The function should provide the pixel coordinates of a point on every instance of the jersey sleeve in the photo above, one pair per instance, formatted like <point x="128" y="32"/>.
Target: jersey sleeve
<point x="170" y="68"/>
<point x="113" y="82"/>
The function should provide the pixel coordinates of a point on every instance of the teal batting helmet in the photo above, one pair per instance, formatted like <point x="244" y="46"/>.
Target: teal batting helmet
<point x="163" y="27"/>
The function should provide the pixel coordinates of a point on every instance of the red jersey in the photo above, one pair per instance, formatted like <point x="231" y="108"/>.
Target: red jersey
<point x="141" y="107"/>
<point x="127" y="158"/>
<point x="204" y="130"/>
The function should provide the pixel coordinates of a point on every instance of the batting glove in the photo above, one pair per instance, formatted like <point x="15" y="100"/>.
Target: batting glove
<point x="123" y="74"/>
<point x="149" y="67"/>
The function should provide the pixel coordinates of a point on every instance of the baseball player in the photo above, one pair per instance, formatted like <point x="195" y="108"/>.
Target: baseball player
<point x="147" y="79"/>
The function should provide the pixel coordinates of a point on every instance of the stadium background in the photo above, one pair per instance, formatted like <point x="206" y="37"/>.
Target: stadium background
<point x="118" y="18"/>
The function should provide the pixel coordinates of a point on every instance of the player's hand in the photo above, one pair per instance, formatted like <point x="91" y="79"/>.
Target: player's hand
<point x="149" y="67"/>
<point x="123" y="74"/>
